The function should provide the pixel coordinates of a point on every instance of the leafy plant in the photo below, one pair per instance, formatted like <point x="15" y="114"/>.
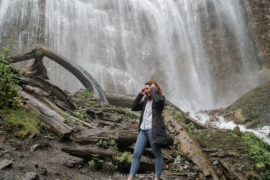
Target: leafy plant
<point x="80" y="113"/>
<point x="8" y="83"/>
<point x="95" y="161"/>
<point x="191" y="127"/>
<point x="107" y="144"/>
<point x="259" y="152"/>
<point x="125" y="157"/>
<point x="49" y="136"/>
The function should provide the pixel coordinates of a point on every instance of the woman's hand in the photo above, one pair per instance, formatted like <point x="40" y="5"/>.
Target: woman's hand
<point x="143" y="91"/>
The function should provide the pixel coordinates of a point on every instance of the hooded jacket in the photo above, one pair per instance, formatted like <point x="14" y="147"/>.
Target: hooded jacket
<point x="158" y="128"/>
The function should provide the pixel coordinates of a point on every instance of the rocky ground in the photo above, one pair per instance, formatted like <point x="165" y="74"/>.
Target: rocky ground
<point x="102" y="141"/>
<point x="43" y="157"/>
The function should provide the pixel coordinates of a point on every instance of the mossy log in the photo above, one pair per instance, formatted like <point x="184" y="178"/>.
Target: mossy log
<point x="190" y="148"/>
<point x="47" y="115"/>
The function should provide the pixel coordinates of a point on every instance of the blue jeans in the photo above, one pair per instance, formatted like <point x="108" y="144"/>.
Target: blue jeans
<point x="141" y="142"/>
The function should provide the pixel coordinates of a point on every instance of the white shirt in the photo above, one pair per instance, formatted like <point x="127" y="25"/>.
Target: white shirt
<point x="147" y="116"/>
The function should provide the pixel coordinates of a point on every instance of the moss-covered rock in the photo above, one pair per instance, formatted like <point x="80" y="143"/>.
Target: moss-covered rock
<point x="253" y="106"/>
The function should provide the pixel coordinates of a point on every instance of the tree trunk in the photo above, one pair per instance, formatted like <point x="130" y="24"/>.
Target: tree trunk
<point x="47" y="115"/>
<point x="83" y="76"/>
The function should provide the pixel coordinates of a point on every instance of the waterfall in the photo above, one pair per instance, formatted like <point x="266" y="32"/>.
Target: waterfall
<point x="201" y="52"/>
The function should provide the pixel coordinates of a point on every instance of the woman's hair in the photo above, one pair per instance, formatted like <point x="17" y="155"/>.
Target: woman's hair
<point x="159" y="91"/>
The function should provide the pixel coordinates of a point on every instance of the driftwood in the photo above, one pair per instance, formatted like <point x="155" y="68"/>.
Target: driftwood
<point x="84" y="77"/>
<point x="189" y="148"/>
<point x="47" y="115"/>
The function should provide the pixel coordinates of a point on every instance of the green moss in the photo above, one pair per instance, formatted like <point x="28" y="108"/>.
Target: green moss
<point x="132" y="115"/>
<point x="85" y="95"/>
<point x="259" y="151"/>
<point x="254" y="104"/>
<point x="233" y="134"/>
<point x="20" y="122"/>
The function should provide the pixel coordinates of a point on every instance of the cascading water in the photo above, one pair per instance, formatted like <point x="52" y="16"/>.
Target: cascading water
<point x="200" y="51"/>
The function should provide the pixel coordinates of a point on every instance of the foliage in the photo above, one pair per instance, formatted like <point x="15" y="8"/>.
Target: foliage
<point x="20" y="122"/>
<point x="86" y="95"/>
<point x="8" y="84"/>
<point x="107" y="144"/>
<point x="170" y="112"/>
<point x="91" y="163"/>
<point x="132" y="115"/>
<point x="259" y="151"/>
<point x="181" y="117"/>
<point x="95" y="161"/>
<point x="233" y="134"/>
<point x="49" y="136"/>
<point x="191" y="127"/>
<point x="125" y="157"/>
<point x="80" y="113"/>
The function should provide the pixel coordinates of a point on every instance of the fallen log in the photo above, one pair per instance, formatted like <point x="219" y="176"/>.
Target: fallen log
<point x="71" y="117"/>
<point x="88" y="152"/>
<point x="177" y="174"/>
<point x="83" y="76"/>
<point x="197" y="124"/>
<point x="230" y="171"/>
<point x="190" y="148"/>
<point x="47" y="115"/>
<point x="118" y="99"/>
<point x="56" y="91"/>
<point x="123" y="138"/>
<point x="48" y="87"/>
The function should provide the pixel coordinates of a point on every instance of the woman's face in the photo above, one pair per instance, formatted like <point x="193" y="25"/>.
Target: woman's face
<point x="147" y="91"/>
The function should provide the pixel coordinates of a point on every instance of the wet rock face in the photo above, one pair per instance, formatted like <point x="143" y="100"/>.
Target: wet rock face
<point x="261" y="26"/>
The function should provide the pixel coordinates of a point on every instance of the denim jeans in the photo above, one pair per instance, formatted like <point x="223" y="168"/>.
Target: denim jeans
<point x="141" y="142"/>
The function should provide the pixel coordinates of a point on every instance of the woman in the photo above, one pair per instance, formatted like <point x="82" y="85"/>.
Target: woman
<point x="151" y="127"/>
